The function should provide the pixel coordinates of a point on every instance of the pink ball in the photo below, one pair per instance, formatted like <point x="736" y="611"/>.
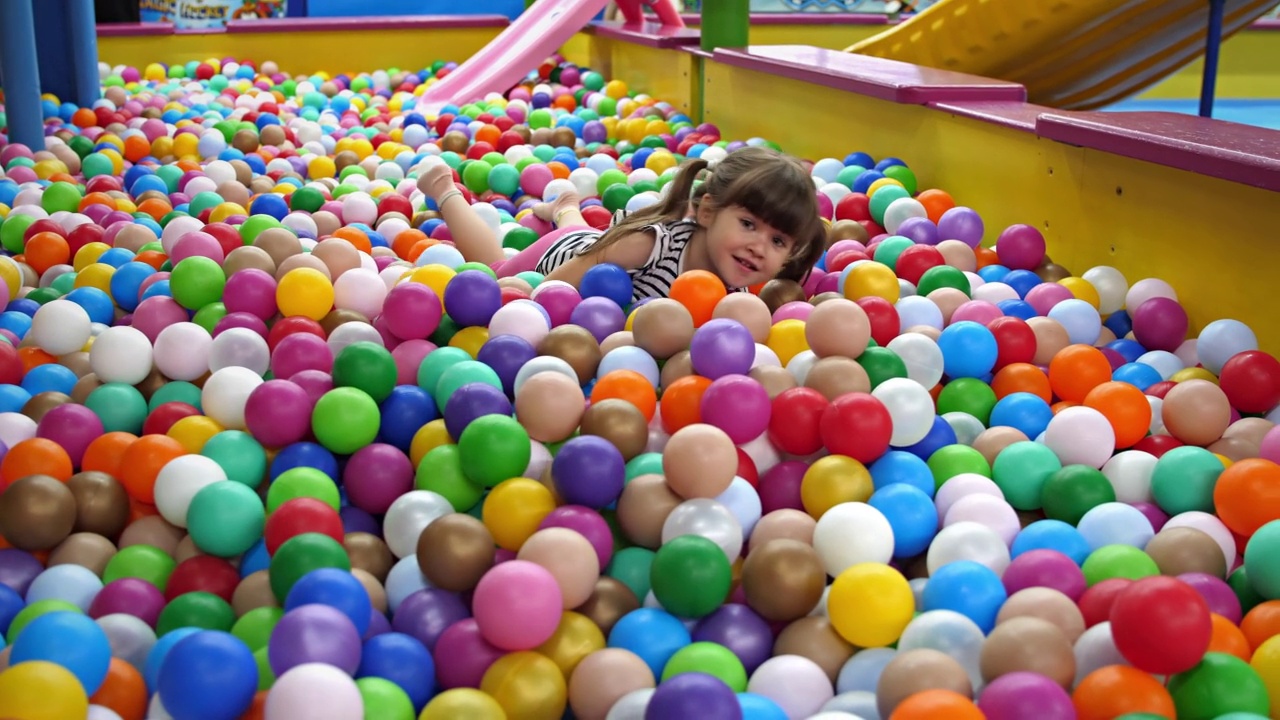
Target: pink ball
<point x="841" y="246"/>
<point x="157" y="313"/>
<point x="1269" y="449"/>
<point x="517" y="605"/>
<point x="979" y="311"/>
<point x="301" y="351"/>
<point x="812" y="282"/>
<point x="412" y="311"/>
<point x="534" y="179"/>
<point x="1045" y="568"/>
<point x="1045" y="296"/>
<point x="1020" y="247"/>
<point x="409" y="356"/>
<point x="586" y="522"/>
<point x="250" y="290"/>
<point x="826" y="208"/>
<point x="1160" y="324"/>
<point x="389" y="339"/>
<point x="278" y="413"/>
<point x="829" y="283"/>
<point x="738" y="405"/>
<point x="559" y="302"/>
<point x="794" y="310"/>
<point x="470" y="655"/>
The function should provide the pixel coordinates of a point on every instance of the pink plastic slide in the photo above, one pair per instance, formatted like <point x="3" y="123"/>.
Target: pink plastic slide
<point x="531" y="39"/>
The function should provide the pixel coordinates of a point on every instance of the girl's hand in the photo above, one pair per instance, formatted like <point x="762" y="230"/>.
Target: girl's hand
<point x="436" y="180"/>
<point x="549" y="210"/>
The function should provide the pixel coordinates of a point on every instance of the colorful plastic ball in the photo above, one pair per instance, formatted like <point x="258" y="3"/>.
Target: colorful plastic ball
<point x="517" y="605"/>
<point x="722" y="347"/>
<point x="41" y="689"/>
<point x="403" y="660"/>
<point x="968" y="350"/>
<point x="345" y="420"/>
<point x="968" y="588"/>
<point x="870" y="604"/>
<point x="700" y="693"/>
<point x="1220" y="685"/>
<point x="691" y="576"/>
<point x="314" y="690"/>
<point x="71" y="640"/>
<point x="652" y="634"/>
<point x="208" y="674"/>
<point x="608" y="281"/>
<point x="225" y="519"/>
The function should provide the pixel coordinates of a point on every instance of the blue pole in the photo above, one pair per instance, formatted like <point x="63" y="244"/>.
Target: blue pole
<point x="82" y="37"/>
<point x="21" y="78"/>
<point x="1213" y="44"/>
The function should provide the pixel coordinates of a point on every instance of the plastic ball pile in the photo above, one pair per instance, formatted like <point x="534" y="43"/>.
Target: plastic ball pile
<point x="271" y="449"/>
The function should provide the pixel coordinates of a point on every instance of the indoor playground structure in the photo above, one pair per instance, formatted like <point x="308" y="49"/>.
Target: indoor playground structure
<point x="272" y="448"/>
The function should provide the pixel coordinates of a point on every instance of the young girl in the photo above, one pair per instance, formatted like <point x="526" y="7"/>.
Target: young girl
<point x="753" y="219"/>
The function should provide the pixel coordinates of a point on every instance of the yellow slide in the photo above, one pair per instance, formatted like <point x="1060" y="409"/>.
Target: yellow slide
<point x="1070" y="54"/>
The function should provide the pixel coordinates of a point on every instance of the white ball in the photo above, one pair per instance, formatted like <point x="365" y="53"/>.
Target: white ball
<point x="713" y="155"/>
<point x="314" y="691"/>
<point x="121" y="354"/>
<point x="900" y="210"/>
<point x="1081" y="436"/>
<point x="852" y="533"/>
<point x="225" y="394"/>
<point x="968" y="541"/>
<point x="966" y="427"/>
<point x="1111" y="286"/>
<point x="1148" y="288"/>
<point x="910" y="407"/>
<point x="585" y="180"/>
<point x="1130" y="475"/>
<point x="991" y="512"/>
<point x="705" y="518"/>
<point x="182" y="351"/>
<point x="179" y="481"/>
<point x="60" y="327"/>
<point x="408" y="516"/>
<point x="360" y="290"/>
<point x="921" y="355"/>
<point x="827" y="169"/>
<point x="239" y="347"/>
<point x="556" y="188"/>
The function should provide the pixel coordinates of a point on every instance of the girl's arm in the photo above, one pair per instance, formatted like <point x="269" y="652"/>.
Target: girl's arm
<point x="473" y="238"/>
<point x="629" y="252"/>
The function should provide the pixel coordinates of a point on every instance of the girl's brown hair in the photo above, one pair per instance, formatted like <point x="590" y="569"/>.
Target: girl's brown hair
<point x="772" y="186"/>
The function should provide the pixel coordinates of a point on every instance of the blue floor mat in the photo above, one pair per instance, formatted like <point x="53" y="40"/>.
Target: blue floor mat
<point x="1261" y="113"/>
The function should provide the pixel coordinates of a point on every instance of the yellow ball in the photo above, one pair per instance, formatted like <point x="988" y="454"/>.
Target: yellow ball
<point x="1194" y="373"/>
<point x="162" y="147"/>
<point x="1266" y="662"/>
<point x="97" y="275"/>
<point x="615" y="89"/>
<point x="11" y="274"/>
<point x="321" y="167"/>
<point x="882" y="182"/>
<point x="575" y="638"/>
<point x="470" y="340"/>
<point x="434" y="277"/>
<point x="126" y="205"/>
<point x="870" y="605"/>
<point x="832" y="480"/>
<point x="154" y="72"/>
<point x="186" y="145"/>
<point x="786" y="339"/>
<point x="463" y="703"/>
<point x="362" y="148"/>
<point x="428" y="438"/>
<point x="1082" y="290"/>
<point x="304" y="292"/>
<point x="46" y="169"/>
<point x="89" y="255"/>
<point x="513" y="510"/>
<point x="194" y="431"/>
<point x="40" y="690"/>
<point x="661" y="161"/>
<point x="222" y="211"/>
<point x="872" y="279"/>
<point x="527" y="685"/>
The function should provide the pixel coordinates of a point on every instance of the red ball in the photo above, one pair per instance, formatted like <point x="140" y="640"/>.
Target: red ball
<point x="226" y="235"/>
<point x="883" y="316"/>
<point x="299" y="516"/>
<point x="1015" y="341"/>
<point x="11" y="369"/>
<point x="504" y="123"/>
<point x="508" y="140"/>
<point x="103" y="183"/>
<point x="1158" y="444"/>
<point x="845" y="259"/>
<point x="1161" y="625"/>
<point x="165" y="415"/>
<point x="203" y="573"/>
<point x="479" y="150"/>
<point x="873" y="229"/>
<point x="794" y="424"/>
<point x="204" y="71"/>
<point x="1160" y="389"/>
<point x="1251" y="381"/>
<point x="1095" y="604"/>
<point x="290" y="325"/>
<point x="857" y="425"/>
<point x="510" y="293"/>
<point x="394" y="202"/>
<point x="747" y="469"/>
<point x="915" y="260"/>
<point x="597" y="216"/>
<point x="854" y="206"/>
<point x="43" y="225"/>
<point x="83" y="235"/>
<point x="443" y="122"/>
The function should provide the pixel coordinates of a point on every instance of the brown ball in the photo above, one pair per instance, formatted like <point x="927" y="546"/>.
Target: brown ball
<point x="613" y="341"/>
<point x="83" y="387"/>
<point x="455" y="551"/>
<point x="913" y="671"/>
<point x="249" y="256"/>
<point x="777" y="293"/>
<point x="1196" y="412"/>
<point x="1051" y="338"/>
<point x="246" y="141"/>
<point x="662" y="327"/>
<point x="186" y="550"/>
<point x="992" y="440"/>
<point x="253" y="592"/>
<point x="643" y="507"/>
<point x="1251" y="430"/>
<point x="102" y="504"/>
<point x="602" y="678"/>
<point x="1180" y="550"/>
<point x="958" y="255"/>
<point x="377" y="593"/>
<point x="948" y="300"/>
<point x="550" y="405"/>
<point x="836" y="376"/>
<point x="815" y="639"/>
<point x="41" y="403"/>
<point x="700" y="461"/>
<point x="846" y="230"/>
<point x="36" y="512"/>
<point x="151" y="384"/>
<point x="775" y="380"/>
<point x="609" y="602"/>
<point x="154" y="531"/>
<point x="1234" y="449"/>
<point x="1028" y="644"/>
<point x="454" y="141"/>
<point x="1052" y="272"/>
<point x="676" y="367"/>
<point x="279" y="243"/>
<point x="575" y="345"/>
<point x="838" y="328"/>
<point x="337" y="318"/>
<point x="1047" y="604"/>
<point x="787" y="523"/>
<point x="569" y="557"/>
<point x="749" y="310"/>
<point x="76" y="362"/>
<point x="783" y="579"/>
<point x="87" y="550"/>
<point x="619" y="422"/>
<point x="369" y="553"/>
<point x="338" y="255"/>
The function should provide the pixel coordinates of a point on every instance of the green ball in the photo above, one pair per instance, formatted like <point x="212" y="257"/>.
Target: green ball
<point x="494" y="448"/>
<point x="144" y="562"/>
<point x="97" y="164"/>
<point x="254" y="225"/>
<point x="1184" y="478"/>
<point x="301" y="554"/>
<point x="202" y="610"/>
<point x="209" y="316"/>
<point x="384" y="699"/>
<point x="306" y="199"/>
<point x="463" y="373"/>
<point x="631" y="567"/>
<point x="690" y="576"/>
<point x="1073" y="491"/>
<point x="440" y="471"/>
<point x="478" y="267"/>
<point x="476" y="176"/>
<point x="644" y="464"/>
<point x="266" y="676"/>
<point x="881" y="364"/>
<point x="943" y="276"/>
<point x="890" y="249"/>
<point x="608" y="179"/>
<point x="225" y="519"/>
<point x="205" y="201"/>
<point x="65" y="283"/>
<point x="533" y="278"/>
<point x="952" y="460"/>
<point x="345" y="419"/>
<point x="1219" y="684"/>
<point x="1248" y="596"/>
<point x="904" y="175"/>
<point x="616" y="197"/>
<point x="120" y="407"/>
<point x="12" y="230"/>
<point x="196" y="282"/>
<point x="1021" y="470"/>
<point x="540" y="118"/>
<point x="711" y="659"/>
<point x="882" y="199"/>
<point x="967" y="395"/>
<point x="175" y="391"/>
<point x="504" y="179"/>
<point x="170" y="174"/>
<point x="254" y="627"/>
<point x="1118" y="561"/>
<point x="444" y="332"/>
<point x="1259" y="560"/>
<point x="366" y="366"/>
<point x="300" y="482"/>
<point x="239" y="455"/>
<point x="44" y="295"/>
<point x="60" y="196"/>
<point x="37" y="609"/>
<point x="434" y="365"/>
<point x="519" y="238"/>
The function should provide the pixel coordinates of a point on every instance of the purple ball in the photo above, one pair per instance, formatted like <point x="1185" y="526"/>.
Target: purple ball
<point x="1021" y="695"/>
<point x="314" y="633"/>
<point x="471" y="401"/>
<point x="130" y="596"/>
<point x="586" y="522"/>
<point x="559" y="302"/>
<point x="1217" y="593"/>
<point x="471" y="298"/>
<point x="780" y="486"/>
<point x="598" y="315"/>
<point x="157" y="313"/>
<point x="251" y="290"/>
<point x="921" y="231"/>
<point x="1045" y="568"/>
<point x="1020" y="247"/>
<point x="73" y="427"/>
<point x="963" y="224"/>
<point x="376" y="475"/>
<point x="1154" y="514"/>
<point x="1160" y="324"/>
<point x="722" y="347"/>
<point x="505" y="355"/>
<point x="356" y="520"/>
<point x="18" y="568"/>
<point x="378" y="625"/>
<point x="693" y="695"/>
<point x="426" y="614"/>
<point x="278" y="413"/>
<point x="741" y="630"/>
<point x="589" y="471"/>
<point x="245" y="320"/>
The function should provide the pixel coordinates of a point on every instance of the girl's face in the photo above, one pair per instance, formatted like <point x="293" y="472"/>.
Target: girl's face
<point x="743" y="249"/>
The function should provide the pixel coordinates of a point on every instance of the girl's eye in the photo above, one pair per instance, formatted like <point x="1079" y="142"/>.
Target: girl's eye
<point x="779" y="242"/>
<point x="746" y="223"/>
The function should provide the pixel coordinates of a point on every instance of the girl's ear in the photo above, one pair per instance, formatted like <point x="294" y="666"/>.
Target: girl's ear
<point x="704" y="209"/>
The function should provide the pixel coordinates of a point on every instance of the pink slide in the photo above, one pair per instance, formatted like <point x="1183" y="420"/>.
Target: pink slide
<point x="534" y="36"/>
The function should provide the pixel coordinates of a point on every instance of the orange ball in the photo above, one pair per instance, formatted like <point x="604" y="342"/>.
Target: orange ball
<point x="142" y="462"/>
<point x="34" y="357"/>
<point x="933" y="704"/>
<point x="1261" y="623"/>
<point x="1247" y="495"/>
<point x="155" y="207"/>
<point x="84" y="118"/>
<point x="1229" y="639"/>
<point x="1022" y="377"/>
<point x="936" y="202"/>
<point x="97" y="198"/>
<point x="35" y="456"/>
<point x="106" y="453"/>
<point x="1125" y="407"/>
<point x="405" y="240"/>
<point x="258" y="710"/>
<point x="1116" y="690"/>
<point x="358" y="240"/>
<point x="559" y="170"/>
<point x="45" y="249"/>
<point x="124" y="691"/>
<point x="682" y="402"/>
<point x="698" y="291"/>
<point x="985" y="257"/>
<point x="488" y="133"/>
<point x="1077" y="369"/>
<point x="136" y="148"/>
<point x="154" y="258"/>
<point x="627" y="385"/>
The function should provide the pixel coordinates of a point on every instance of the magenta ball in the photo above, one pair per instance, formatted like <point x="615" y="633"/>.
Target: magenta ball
<point x="157" y="313"/>
<point x="979" y="311"/>
<point x="1222" y="600"/>
<point x="517" y="605"/>
<point x="245" y="320"/>
<point x="1045" y="568"/>
<point x="826" y="208"/>
<point x="1160" y="324"/>
<point x="251" y="290"/>
<point x="412" y="311"/>
<point x="738" y="405"/>
<point x="963" y="224"/>
<point x="278" y="413"/>
<point x="73" y="427"/>
<point x="1045" y="296"/>
<point x="196" y="244"/>
<point x="130" y="596"/>
<point x="1021" y="695"/>
<point x="376" y="475"/>
<point x="315" y="382"/>
<point x="586" y="522"/>
<point x="470" y="655"/>
<point x="1154" y="514"/>
<point x="559" y="302"/>
<point x="301" y="351"/>
<point x="780" y="486"/>
<point x="1020" y="247"/>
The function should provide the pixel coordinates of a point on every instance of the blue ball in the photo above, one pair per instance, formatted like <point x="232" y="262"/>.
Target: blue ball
<point x="1022" y="411"/>
<point x="900" y="467"/>
<point x="404" y="411"/>
<point x="1022" y="281"/>
<point x="403" y="660"/>
<point x="1119" y="323"/>
<point x="336" y="588"/>
<point x="95" y="302"/>
<point x="126" y="282"/>
<point x="1130" y="350"/>
<point x="940" y="436"/>
<point x="15" y="322"/>
<point x="13" y="397"/>
<point x="969" y="350"/>
<point x="1020" y="309"/>
<point x="160" y="288"/>
<point x="50" y="377"/>
<point x="25" y="306"/>
<point x="993" y="273"/>
<point x="148" y="182"/>
<point x="270" y="204"/>
<point x="1051" y="535"/>
<point x="969" y="588"/>
<point x="1139" y="375"/>
<point x="860" y="159"/>
<point x="759" y="707"/>
<point x="911" y="514"/>
<point x="75" y="584"/>
<point x="630" y="357"/>
<point x="255" y="558"/>
<point x="115" y="257"/>
<point x="863" y="182"/>
<point x="653" y="635"/>
<point x="306" y="454"/>
<point x="889" y="162"/>
<point x="608" y="281"/>
<point x="10" y="605"/>
<point x="209" y="675"/>
<point x="69" y="639"/>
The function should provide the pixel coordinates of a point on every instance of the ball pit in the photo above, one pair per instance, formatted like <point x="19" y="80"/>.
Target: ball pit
<point x="271" y="448"/>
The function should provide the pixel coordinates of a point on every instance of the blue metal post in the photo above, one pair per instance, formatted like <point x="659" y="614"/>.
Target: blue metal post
<point x="82" y="37"/>
<point x="21" y="77"/>
<point x="1213" y="44"/>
